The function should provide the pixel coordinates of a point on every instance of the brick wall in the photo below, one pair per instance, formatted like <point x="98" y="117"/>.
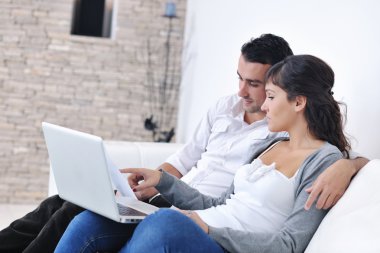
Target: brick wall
<point x="102" y="86"/>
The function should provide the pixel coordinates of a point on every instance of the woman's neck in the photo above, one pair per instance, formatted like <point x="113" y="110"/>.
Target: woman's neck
<point x="301" y="138"/>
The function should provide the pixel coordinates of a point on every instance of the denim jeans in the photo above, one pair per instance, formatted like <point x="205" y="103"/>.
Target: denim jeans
<point x="164" y="231"/>
<point x="41" y="229"/>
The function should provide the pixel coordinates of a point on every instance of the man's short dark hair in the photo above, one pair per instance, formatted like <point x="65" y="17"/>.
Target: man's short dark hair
<point x="267" y="49"/>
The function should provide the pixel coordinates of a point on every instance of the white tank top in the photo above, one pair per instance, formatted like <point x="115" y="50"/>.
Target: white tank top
<point x="263" y="198"/>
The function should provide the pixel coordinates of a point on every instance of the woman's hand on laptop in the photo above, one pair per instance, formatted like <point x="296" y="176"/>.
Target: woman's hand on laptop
<point x="142" y="179"/>
<point x="134" y="180"/>
<point x="146" y="194"/>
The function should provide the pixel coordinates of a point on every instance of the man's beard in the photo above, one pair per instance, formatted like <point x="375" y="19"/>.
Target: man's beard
<point x="253" y="109"/>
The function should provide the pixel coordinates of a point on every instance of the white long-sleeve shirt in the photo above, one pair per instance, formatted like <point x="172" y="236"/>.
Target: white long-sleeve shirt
<point x="222" y="142"/>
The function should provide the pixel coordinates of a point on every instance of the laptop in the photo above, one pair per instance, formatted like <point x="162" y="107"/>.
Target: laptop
<point x="83" y="175"/>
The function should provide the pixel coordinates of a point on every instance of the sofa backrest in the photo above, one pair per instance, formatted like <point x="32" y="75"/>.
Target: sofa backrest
<point x="353" y="224"/>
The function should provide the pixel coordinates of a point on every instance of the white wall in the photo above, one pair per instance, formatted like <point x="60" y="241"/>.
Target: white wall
<point x="345" y="34"/>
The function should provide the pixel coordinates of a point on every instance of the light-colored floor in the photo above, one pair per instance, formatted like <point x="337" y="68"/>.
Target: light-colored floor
<point x="10" y="212"/>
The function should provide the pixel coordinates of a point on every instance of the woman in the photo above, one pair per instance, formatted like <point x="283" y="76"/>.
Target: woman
<point x="263" y="210"/>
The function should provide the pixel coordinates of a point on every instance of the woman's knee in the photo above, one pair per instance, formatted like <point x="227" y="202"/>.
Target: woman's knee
<point x="161" y="224"/>
<point x="85" y="218"/>
<point x="159" y="231"/>
<point x="170" y="231"/>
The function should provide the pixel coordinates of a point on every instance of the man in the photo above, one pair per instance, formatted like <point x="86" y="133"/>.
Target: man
<point x="225" y="139"/>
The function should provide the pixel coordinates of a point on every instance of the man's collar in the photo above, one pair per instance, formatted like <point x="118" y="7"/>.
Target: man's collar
<point x="237" y="109"/>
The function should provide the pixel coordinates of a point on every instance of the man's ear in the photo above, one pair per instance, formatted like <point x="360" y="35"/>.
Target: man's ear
<point x="300" y="103"/>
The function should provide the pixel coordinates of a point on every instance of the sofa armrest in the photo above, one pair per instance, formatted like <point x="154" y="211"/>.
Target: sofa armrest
<point x="133" y="155"/>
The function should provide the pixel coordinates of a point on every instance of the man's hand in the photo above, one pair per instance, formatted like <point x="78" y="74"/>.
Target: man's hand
<point x="331" y="184"/>
<point x="142" y="192"/>
<point x="195" y="217"/>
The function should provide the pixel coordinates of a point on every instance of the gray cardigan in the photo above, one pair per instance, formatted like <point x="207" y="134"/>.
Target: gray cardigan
<point x="298" y="228"/>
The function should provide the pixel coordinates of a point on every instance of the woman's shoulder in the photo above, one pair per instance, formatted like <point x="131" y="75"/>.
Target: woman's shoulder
<point x="327" y="150"/>
<point x="317" y="162"/>
<point x="326" y="155"/>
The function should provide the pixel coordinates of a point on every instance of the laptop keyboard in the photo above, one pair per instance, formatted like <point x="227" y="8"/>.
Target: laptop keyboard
<point x="127" y="211"/>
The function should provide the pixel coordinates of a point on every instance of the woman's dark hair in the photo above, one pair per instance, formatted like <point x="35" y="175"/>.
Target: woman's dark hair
<point x="309" y="76"/>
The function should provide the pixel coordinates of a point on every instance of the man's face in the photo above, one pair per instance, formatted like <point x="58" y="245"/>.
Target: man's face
<point x="251" y="84"/>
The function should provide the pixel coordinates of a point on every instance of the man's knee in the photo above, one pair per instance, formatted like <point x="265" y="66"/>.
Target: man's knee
<point x="64" y="213"/>
<point x="71" y="209"/>
<point x="53" y="202"/>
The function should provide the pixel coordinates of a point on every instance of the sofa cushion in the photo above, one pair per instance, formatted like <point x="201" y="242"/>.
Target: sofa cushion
<point x="353" y="224"/>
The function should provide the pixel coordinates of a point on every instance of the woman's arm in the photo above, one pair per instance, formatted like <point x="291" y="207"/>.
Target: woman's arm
<point x="177" y="192"/>
<point x="185" y="197"/>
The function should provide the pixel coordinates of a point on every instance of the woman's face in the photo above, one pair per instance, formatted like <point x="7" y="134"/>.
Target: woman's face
<point x="280" y="112"/>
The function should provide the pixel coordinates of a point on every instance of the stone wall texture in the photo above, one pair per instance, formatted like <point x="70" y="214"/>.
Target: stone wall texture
<point x="103" y="86"/>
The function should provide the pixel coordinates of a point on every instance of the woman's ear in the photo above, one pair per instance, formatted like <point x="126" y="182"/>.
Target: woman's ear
<point x="300" y="103"/>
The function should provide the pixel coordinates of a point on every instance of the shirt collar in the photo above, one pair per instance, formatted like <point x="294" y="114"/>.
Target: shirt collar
<point x="237" y="109"/>
<point x="238" y="112"/>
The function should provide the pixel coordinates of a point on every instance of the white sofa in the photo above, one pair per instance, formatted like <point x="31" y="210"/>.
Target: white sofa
<point x="353" y="224"/>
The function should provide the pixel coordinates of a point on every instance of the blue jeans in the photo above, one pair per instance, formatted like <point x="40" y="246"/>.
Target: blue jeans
<point x="164" y="231"/>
